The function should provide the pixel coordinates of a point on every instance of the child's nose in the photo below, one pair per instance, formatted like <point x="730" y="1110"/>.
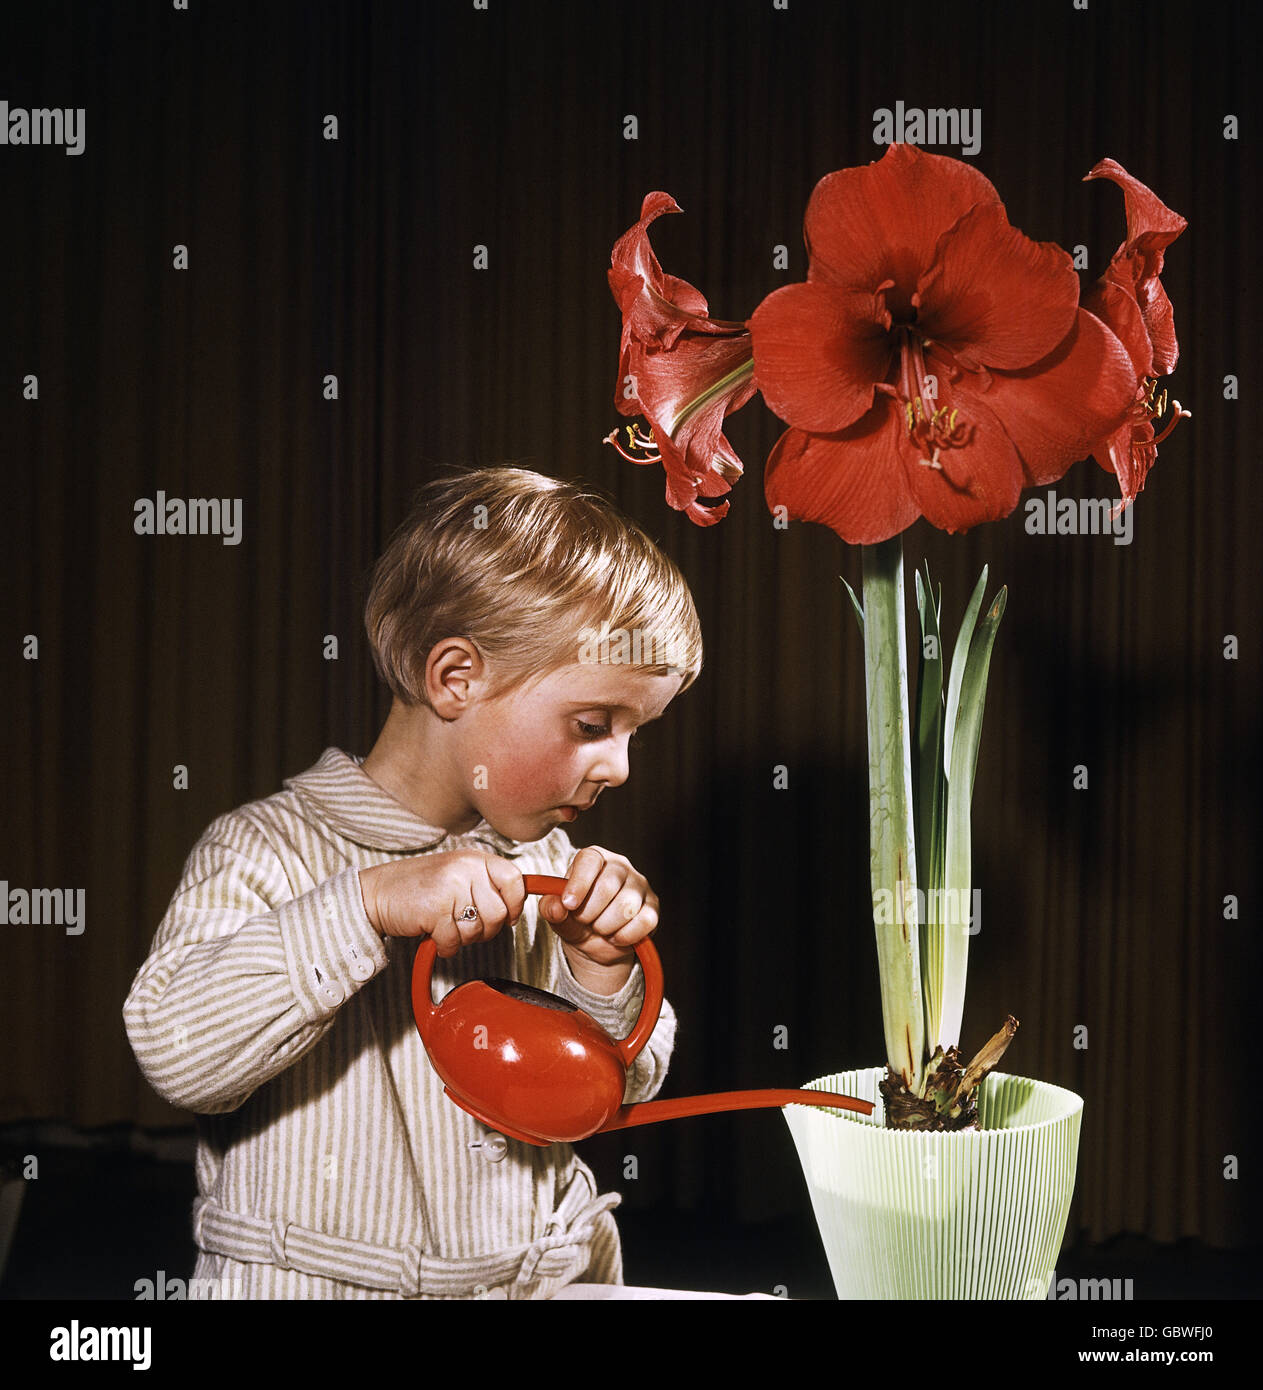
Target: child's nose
<point x="611" y="764"/>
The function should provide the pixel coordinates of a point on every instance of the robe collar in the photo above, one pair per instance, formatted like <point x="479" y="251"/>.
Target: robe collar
<point x="348" y="799"/>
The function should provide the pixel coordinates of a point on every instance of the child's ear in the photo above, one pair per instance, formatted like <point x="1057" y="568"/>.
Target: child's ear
<point x="450" y="672"/>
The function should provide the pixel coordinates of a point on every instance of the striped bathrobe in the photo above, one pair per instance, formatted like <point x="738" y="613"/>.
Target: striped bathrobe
<point x="329" y="1162"/>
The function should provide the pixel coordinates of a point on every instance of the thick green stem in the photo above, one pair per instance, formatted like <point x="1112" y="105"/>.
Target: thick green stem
<point x="893" y="834"/>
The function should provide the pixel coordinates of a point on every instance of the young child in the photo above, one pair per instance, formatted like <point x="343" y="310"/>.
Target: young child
<point x="275" y="1002"/>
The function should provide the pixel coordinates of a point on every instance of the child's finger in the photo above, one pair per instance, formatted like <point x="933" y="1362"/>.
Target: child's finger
<point x="600" y="903"/>
<point x="491" y="909"/>
<point x="585" y="869"/>
<point x="552" y="910"/>
<point x="446" y="938"/>
<point x="623" y="906"/>
<point x="568" y="927"/>
<point x="630" y="930"/>
<point x="506" y="878"/>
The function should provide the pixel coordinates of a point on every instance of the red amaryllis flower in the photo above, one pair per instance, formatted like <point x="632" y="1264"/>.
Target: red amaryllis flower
<point x="1130" y="301"/>
<point x="935" y="361"/>
<point x="680" y="369"/>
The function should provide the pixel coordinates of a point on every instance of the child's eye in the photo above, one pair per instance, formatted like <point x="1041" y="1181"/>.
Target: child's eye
<point x="600" y="731"/>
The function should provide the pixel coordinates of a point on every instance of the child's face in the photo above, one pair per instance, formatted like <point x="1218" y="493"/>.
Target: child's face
<point x="554" y="745"/>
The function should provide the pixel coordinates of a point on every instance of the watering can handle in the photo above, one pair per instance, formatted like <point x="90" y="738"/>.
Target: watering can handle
<point x="629" y="1047"/>
<point x="647" y="953"/>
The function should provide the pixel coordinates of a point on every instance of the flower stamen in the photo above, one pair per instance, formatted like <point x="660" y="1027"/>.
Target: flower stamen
<point x="641" y="444"/>
<point x="1156" y="408"/>
<point x="931" y="427"/>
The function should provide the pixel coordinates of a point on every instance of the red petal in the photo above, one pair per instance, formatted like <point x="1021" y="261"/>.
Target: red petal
<point x="633" y="255"/>
<point x="1154" y="316"/>
<point x="706" y="516"/>
<point x="882" y="221"/>
<point x="1116" y="307"/>
<point x="685" y="393"/>
<point x="656" y="307"/>
<point x="625" y="285"/>
<point x="693" y="457"/>
<point x="1159" y="319"/>
<point x="1129" y="454"/>
<point x="1151" y="225"/>
<point x="995" y="297"/>
<point x="1058" y="411"/>
<point x="819" y="353"/>
<point x="671" y="381"/>
<point x="1136" y="265"/>
<point x="851" y="482"/>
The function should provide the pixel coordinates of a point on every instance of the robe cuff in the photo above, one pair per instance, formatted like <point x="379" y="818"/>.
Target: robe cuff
<point x="331" y="948"/>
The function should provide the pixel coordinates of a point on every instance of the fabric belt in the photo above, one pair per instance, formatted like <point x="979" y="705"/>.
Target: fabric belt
<point x="561" y="1253"/>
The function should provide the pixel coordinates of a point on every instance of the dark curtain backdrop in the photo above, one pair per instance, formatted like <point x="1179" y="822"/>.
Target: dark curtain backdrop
<point x="1102" y="908"/>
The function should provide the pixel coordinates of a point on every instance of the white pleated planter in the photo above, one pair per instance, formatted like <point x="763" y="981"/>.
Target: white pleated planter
<point x="974" y="1214"/>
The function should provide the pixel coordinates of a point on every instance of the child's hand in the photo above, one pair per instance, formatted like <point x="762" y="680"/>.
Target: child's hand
<point x="426" y="895"/>
<point x="606" y="909"/>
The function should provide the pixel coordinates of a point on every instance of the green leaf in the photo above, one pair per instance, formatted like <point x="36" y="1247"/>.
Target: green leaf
<point x="960" y="656"/>
<point x="973" y="695"/>
<point x="929" y="786"/>
<point x="928" y="768"/>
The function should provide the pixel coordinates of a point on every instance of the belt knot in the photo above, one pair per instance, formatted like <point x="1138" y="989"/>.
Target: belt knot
<point x="279" y="1231"/>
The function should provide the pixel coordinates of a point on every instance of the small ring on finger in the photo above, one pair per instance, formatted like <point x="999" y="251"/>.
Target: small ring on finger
<point x="470" y="914"/>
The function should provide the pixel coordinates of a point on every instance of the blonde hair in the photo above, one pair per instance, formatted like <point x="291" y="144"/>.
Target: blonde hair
<point x="525" y="567"/>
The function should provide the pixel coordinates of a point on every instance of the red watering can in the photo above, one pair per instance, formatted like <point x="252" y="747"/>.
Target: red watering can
<point x="538" y="1068"/>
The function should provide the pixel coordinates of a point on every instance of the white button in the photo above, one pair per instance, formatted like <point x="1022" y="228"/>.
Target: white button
<point x="331" y="993"/>
<point x="631" y="1013"/>
<point x="491" y="1146"/>
<point x="361" y="967"/>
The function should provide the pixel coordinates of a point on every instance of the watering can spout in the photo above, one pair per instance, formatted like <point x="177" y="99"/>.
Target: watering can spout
<point x="651" y="1111"/>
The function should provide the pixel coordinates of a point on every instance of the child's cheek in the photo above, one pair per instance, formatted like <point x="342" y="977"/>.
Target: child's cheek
<point x="526" y="778"/>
